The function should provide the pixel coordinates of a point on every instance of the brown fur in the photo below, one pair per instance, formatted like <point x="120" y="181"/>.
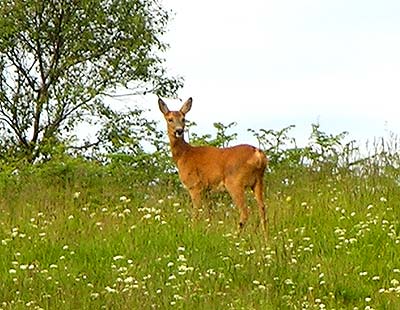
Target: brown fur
<point x="206" y="167"/>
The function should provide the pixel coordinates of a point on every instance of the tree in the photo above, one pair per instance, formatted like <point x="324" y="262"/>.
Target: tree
<point x="59" y="58"/>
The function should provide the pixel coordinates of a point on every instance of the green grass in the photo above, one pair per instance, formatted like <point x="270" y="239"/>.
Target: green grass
<point x="80" y="237"/>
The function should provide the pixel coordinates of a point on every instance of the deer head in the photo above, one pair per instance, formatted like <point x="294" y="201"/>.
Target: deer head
<point x="175" y="119"/>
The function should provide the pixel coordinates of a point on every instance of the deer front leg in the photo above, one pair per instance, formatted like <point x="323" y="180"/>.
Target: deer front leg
<point x="195" y="195"/>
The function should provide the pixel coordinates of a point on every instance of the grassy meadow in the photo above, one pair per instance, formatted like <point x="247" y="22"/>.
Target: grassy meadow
<point x="79" y="235"/>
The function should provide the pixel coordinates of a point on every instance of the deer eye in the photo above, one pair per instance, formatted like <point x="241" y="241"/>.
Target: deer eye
<point x="183" y="120"/>
<point x="170" y="120"/>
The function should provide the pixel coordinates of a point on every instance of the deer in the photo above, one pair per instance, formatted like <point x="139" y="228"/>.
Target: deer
<point x="202" y="168"/>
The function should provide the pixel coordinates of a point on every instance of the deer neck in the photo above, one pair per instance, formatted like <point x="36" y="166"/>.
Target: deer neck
<point x="178" y="146"/>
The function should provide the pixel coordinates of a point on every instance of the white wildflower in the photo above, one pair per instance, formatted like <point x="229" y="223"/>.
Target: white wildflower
<point x="110" y="290"/>
<point x="289" y="282"/>
<point x="129" y="280"/>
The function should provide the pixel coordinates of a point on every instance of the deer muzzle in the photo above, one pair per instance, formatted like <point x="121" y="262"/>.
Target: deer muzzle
<point x="178" y="132"/>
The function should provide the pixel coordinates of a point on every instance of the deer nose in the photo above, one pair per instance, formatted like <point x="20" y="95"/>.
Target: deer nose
<point x="179" y="132"/>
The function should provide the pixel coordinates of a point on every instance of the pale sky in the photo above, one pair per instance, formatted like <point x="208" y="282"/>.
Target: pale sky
<point x="270" y="64"/>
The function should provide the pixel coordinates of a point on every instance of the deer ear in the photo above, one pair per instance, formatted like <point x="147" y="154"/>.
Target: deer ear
<point x="163" y="107"/>
<point x="186" y="106"/>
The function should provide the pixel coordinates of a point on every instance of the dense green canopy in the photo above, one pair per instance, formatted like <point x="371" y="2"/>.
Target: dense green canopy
<point x="59" y="57"/>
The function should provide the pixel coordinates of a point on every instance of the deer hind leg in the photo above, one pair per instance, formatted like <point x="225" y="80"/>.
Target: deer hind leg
<point x="237" y="193"/>
<point x="258" y="190"/>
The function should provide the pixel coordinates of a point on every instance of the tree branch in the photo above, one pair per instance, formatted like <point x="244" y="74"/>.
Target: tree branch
<point x="16" y="60"/>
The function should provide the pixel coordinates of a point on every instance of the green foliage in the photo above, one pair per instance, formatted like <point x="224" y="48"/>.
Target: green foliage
<point x="59" y="59"/>
<point x="328" y="148"/>
<point x="125" y="132"/>
<point x="278" y="145"/>
<point x="323" y="151"/>
<point x="194" y="138"/>
<point x="222" y="138"/>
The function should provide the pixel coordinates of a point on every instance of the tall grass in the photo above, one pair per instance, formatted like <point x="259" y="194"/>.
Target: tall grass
<point x="78" y="235"/>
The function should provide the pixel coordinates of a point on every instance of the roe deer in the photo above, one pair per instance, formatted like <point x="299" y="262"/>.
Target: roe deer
<point x="207" y="167"/>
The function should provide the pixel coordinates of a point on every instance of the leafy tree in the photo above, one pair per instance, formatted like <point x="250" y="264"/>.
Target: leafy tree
<point x="60" y="58"/>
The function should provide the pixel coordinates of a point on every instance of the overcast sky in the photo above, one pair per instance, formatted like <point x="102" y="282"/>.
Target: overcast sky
<point x="270" y="64"/>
